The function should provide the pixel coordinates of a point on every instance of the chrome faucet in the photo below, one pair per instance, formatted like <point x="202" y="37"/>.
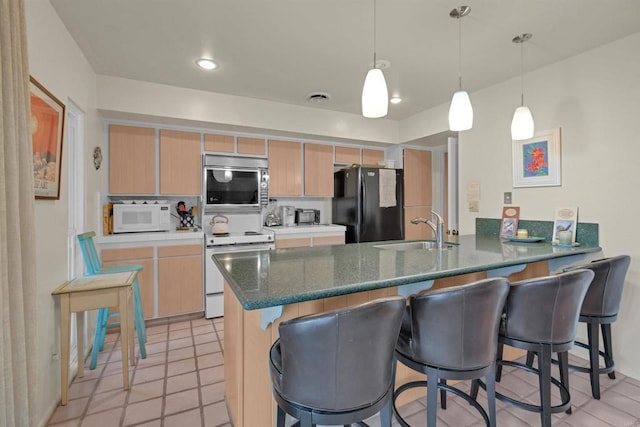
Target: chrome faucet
<point x="438" y="227"/>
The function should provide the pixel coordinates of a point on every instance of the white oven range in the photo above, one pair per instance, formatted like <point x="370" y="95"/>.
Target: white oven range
<point x="225" y="244"/>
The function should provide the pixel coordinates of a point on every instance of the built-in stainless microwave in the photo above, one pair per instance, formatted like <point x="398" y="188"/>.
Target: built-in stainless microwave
<point x="235" y="182"/>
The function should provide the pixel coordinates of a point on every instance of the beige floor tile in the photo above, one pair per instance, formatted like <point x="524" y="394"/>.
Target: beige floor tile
<point x="154" y="423"/>
<point x="182" y="382"/>
<point x="212" y="393"/>
<point x="82" y="389"/>
<point x="69" y="423"/>
<point x="146" y="391"/>
<point x="181" y="367"/>
<point x="108" y="400"/>
<point x="210" y="360"/>
<point x="152" y="360"/>
<point x="180" y="342"/>
<point x="110" y="382"/>
<point x="157" y="329"/>
<point x="143" y="375"/>
<point x="73" y="409"/>
<point x="179" y="325"/>
<point x="201" y="321"/>
<point x="90" y="374"/>
<point x="203" y="329"/>
<point x="143" y="411"/>
<point x="192" y="418"/>
<point x="161" y="337"/>
<point x="211" y="375"/>
<point x="221" y="335"/>
<point x="180" y="333"/>
<point x="215" y="415"/>
<point x="109" y="418"/>
<point x="180" y="353"/>
<point x="206" y="348"/>
<point x="204" y="338"/>
<point x="156" y="347"/>
<point x="181" y="401"/>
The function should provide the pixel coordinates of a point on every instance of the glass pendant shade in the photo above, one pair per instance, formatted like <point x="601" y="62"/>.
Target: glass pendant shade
<point x="460" y="112"/>
<point x="522" y="124"/>
<point x="375" y="98"/>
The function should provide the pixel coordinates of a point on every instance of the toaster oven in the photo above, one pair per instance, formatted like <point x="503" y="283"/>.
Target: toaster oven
<point x="307" y="216"/>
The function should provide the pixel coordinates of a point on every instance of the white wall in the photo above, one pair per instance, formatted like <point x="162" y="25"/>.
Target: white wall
<point x="595" y="99"/>
<point x="57" y="63"/>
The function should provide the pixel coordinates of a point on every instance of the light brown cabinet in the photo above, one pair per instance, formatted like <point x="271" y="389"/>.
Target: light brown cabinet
<point x="132" y="160"/>
<point x="347" y="155"/>
<point x="285" y="168"/>
<point x="142" y="256"/>
<point x="180" y="279"/>
<point x="305" y="242"/>
<point x="219" y="143"/>
<point x="318" y="170"/>
<point x="253" y="146"/>
<point x="371" y="157"/>
<point x="180" y="163"/>
<point x="417" y="193"/>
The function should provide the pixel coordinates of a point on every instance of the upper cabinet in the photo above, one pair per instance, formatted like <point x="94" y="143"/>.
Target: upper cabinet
<point x="253" y="146"/>
<point x="347" y="155"/>
<point x="285" y="168"/>
<point x="318" y="170"/>
<point x="132" y="160"/>
<point x="417" y="177"/>
<point x="371" y="157"/>
<point x="219" y="143"/>
<point x="180" y="163"/>
<point x="225" y="144"/>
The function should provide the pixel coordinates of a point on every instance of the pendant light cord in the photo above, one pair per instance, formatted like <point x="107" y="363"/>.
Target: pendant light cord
<point x="522" y="73"/>
<point x="459" y="53"/>
<point x="374" y="34"/>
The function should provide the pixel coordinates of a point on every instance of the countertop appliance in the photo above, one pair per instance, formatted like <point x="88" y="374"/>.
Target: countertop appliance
<point x="235" y="182"/>
<point x="234" y="242"/>
<point x="287" y="215"/>
<point x="307" y="216"/>
<point x="136" y="218"/>
<point x="369" y="202"/>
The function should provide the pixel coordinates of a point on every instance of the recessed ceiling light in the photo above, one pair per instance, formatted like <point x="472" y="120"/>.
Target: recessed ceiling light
<point x="206" y="63"/>
<point x="395" y="100"/>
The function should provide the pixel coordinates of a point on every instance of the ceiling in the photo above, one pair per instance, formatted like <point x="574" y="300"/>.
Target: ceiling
<point x="285" y="50"/>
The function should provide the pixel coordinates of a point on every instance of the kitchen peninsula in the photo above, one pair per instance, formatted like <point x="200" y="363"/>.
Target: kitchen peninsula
<point x="265" y="288"/>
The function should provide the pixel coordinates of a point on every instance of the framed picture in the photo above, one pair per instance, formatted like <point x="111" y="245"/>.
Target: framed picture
<point x="565" y="219"/>
<point x="47" y="130"/>
<point x="536" y="161"/>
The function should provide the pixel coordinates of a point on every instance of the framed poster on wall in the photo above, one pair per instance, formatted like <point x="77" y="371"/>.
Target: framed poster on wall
<point x="47" y="131"/>
<point x="536" y="161"/>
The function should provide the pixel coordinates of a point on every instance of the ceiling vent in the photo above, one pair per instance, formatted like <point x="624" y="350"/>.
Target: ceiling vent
<point x="318" y="98"/>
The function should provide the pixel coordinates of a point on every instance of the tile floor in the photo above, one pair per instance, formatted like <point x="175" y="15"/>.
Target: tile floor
<point x="181" y="383"/>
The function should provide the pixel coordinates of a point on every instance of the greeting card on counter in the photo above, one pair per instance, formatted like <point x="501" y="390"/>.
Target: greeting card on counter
<point x="565" y="219"/>
<point x="509" y="225"/>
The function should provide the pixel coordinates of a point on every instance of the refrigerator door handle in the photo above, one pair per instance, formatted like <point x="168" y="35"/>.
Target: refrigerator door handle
<point x="363" y="223"/>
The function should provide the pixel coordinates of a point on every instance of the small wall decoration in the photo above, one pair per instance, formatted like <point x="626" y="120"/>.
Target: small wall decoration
<point x="47" y="130"/>
<point x="97" y="157"/>
<point x="536" y="161"/>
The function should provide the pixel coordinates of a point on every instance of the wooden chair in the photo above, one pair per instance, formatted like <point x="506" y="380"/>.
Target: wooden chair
<point x="94" y="266"/>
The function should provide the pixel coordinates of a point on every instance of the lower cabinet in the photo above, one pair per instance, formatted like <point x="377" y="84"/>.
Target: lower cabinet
<point x="180" y="279"/>
<point x="305" y="242"/>
<point x="142" y="256"/>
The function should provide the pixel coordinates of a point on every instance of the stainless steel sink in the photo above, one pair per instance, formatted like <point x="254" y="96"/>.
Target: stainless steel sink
<point x="428" y="245"/>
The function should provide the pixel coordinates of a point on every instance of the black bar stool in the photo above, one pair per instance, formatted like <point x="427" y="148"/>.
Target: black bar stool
<point x="541" y="316"/>
<point x="451" y="334"/>
<point x="337" y="367"/>
<point x="600" y="308"/>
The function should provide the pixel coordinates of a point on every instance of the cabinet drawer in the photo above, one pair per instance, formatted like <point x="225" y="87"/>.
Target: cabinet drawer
<point x="109" y="255"/>
<point x="329" y="240"/>
<point x="179" y="250"/>
<point x="301" y="242"/>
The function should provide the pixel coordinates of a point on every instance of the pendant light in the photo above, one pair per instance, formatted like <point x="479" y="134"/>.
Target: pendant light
<point x="460" y="111"/>
<point x="522" y="123"/>
<point x="375" y="98"/>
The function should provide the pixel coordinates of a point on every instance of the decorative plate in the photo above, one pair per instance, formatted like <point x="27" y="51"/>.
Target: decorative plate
<point x="525" y="239"/>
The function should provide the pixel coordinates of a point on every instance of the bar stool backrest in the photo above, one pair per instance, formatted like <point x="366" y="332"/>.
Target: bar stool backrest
<point x="605" y="293"/>
<point x="89" y="253"/>
<point x="546" y="309"/>
<point x="457" y="328"/>
<point x="342" y="359"/>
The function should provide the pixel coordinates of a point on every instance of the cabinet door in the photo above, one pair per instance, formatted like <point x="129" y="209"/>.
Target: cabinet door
<point x="347" y="155"/>
<point x="220" y="143"/>
<point x="371" y="157"/>
<point x="318" y="170"/>
<point x="254" y="146"/>
<point x="132" y="160"/>
<point x="180" y="163"/>
<point x="180" y="279"/>
<point x="329" y="240"/>
<point x="142" y="256"/>
<point x="297" y="242"/>
<point x="417" y="231"/>
<point x="417" y="178"/>
<point x="285" y="168"/>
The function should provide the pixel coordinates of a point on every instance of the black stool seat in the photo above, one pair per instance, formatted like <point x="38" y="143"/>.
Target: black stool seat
<point x="541" y="316"/>
<point x="600" y="309"/>
<point x="337" y="367"/>
<point x="451" y="334"/>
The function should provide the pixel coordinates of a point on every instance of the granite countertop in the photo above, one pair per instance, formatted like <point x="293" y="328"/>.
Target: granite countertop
<point x="262" y="279"/>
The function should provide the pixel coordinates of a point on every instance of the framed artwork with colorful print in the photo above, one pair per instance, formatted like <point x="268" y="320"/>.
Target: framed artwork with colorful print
<point x="536" y="161"/>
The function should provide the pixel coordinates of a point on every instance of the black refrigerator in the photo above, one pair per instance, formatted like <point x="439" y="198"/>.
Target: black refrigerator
<point x="368" y="201"/>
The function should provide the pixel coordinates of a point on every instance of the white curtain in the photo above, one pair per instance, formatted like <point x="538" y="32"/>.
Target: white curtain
<point x="17" y="239"/>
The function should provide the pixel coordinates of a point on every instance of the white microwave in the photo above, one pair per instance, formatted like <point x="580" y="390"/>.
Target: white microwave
<point x="135" y="218"/>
